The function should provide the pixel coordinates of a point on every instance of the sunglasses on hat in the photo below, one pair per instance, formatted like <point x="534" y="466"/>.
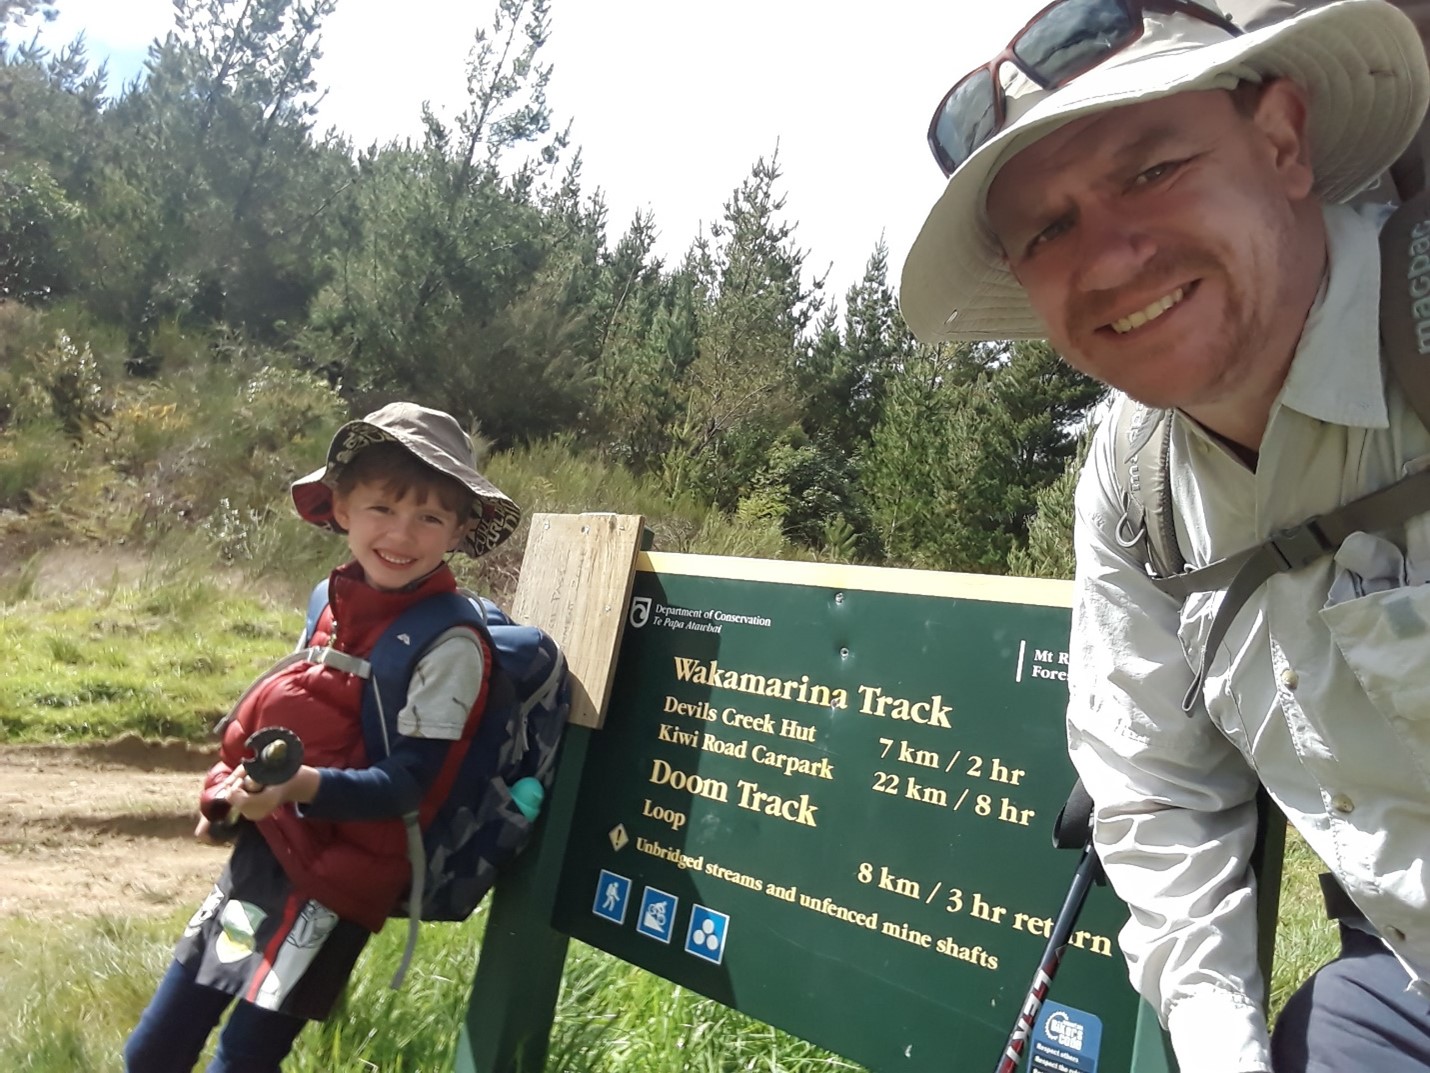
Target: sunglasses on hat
<point x="1064" y="40"/>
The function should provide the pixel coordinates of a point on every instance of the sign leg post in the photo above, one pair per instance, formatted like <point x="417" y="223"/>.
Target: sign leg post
<point x="507" y="1027"/>
<point x="1151" y="1046"/>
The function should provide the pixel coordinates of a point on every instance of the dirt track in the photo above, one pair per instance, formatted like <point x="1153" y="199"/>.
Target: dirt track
<point x="104" y="828"/>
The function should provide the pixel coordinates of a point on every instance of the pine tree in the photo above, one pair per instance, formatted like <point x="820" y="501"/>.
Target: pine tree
<point x="647" y="342"/>
<point x="841" y="382"/>
<point x="739" y="392"/>
<point x="50" y="133"/>
<point x="20" y="12"/>
<point x="971" y="435"/>
<point x="907" y="465"/>
<point x="1049" y="548"/>
<point x="218" y="192"/>
<point x="468" y="276"/>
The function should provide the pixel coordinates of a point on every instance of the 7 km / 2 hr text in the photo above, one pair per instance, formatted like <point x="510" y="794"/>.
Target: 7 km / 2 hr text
<point x="997" y="770"/>
<point x="914" y="788"/>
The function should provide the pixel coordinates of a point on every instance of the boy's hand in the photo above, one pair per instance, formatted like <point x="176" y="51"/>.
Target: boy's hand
<point x="204" y="832"/>
<point x="254" y="802"/>
<point x="250" y="800"/>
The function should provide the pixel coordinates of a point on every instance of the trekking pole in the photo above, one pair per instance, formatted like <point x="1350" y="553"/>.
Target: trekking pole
<point x="1073" y="828"/>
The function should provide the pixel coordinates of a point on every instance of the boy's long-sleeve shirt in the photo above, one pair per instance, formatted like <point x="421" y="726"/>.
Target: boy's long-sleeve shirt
<point x="1320" y="689"/>
<point x="445" y="684"/>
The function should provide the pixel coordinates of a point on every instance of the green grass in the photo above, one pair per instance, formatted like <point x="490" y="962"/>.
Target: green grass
<point x="1305" y="939"/>
<point x="74" y="991"/>
<point x="162" y="661"/>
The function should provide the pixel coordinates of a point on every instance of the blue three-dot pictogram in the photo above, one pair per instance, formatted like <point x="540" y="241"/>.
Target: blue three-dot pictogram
<point x="706" y="935"/>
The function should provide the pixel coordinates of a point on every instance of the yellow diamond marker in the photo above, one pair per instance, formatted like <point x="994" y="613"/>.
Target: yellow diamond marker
<point x="618" y="837"/>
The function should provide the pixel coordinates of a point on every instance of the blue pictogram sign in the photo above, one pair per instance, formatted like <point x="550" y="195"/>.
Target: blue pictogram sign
<point x="1065" y="1041"/>
<point x="657" y="916"/>
<point x="613" y="893"/>
<point x="706" y="936"/>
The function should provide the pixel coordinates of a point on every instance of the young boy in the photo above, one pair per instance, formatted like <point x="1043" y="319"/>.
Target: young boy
<point x="323" y="860"/>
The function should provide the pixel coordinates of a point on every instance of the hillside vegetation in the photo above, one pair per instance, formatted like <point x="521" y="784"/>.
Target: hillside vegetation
<point x="200" y="262"/>
<point x="196" y="289"/>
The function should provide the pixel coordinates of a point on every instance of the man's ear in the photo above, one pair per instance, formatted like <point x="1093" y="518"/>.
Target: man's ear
<point x="1281" y="116"/>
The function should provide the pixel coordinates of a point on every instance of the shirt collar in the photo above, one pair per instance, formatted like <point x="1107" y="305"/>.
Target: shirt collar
<point x="1336" y="375"/>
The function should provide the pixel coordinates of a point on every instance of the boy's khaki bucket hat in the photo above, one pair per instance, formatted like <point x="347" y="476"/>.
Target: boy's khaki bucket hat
<point x="434" y="438"/>
<point x="1360" y="61"/>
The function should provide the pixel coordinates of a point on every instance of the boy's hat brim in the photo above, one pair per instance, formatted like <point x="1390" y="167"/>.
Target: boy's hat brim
<point x="1360" y="61"/>
<point x="435" y="439"/>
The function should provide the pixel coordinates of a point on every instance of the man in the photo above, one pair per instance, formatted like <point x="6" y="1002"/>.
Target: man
<point x="1155" y="192"/>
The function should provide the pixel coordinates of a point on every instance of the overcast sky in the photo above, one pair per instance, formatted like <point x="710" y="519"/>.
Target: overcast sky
<point x="671" y="102"/>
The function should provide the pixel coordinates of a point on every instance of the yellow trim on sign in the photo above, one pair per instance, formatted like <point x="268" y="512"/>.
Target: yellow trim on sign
<point x="986" y="587"/>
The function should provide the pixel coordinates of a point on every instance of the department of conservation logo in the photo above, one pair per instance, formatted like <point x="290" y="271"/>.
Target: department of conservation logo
<point x="640" y="611"/>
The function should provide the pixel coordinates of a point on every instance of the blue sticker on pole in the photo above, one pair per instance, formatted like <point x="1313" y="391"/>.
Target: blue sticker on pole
<point x="705" y="937"/>
<point x="1065" y="1041"/>
<point x="657" y="916"/>
<point x="613" y="894"/>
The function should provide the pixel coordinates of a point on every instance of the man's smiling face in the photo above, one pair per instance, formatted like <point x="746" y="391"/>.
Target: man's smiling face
<point x="1157" y="241"/>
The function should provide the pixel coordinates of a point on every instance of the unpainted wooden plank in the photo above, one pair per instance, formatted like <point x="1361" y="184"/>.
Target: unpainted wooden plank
<point x="575" y="584"/>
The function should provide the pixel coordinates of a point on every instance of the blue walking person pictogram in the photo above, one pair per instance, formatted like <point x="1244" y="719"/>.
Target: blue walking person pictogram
<point x="613" y="893"/>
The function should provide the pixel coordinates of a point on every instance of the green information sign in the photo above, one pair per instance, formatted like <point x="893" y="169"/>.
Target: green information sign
<point x="825" y="796"/>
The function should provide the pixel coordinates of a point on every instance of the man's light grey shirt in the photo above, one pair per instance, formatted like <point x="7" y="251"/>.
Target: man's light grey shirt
<point x="1321" y="688"/>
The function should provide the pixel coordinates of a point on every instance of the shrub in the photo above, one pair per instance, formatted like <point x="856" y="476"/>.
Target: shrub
<point x="31" y="463"/>
<point x="33" y="209"/>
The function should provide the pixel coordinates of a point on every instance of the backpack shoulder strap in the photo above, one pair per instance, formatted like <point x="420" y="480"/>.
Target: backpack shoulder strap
<point x="1405" y="300"/>
<point x="393" y="658"/>
<point x="1141" y="453"/>
<point x="317" y="601"/>
<point x="395" y="655"/>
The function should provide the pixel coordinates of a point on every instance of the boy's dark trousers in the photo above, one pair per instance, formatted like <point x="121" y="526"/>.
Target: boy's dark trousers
<point x="181" y="1015"/>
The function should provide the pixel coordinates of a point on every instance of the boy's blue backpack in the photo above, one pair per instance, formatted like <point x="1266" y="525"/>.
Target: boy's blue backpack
<point x="479" y="828"/>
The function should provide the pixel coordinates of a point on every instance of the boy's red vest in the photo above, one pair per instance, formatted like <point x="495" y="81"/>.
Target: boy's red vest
<point x="358" y="869"/>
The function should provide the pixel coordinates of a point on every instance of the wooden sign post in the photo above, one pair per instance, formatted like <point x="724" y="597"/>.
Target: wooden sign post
<point x="575" y="584"/>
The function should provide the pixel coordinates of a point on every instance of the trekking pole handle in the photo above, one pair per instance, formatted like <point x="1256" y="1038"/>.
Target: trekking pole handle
<point x="274" y="755"/>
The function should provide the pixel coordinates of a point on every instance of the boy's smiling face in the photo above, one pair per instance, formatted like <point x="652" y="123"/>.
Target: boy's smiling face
<point x="397" y="539"/>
